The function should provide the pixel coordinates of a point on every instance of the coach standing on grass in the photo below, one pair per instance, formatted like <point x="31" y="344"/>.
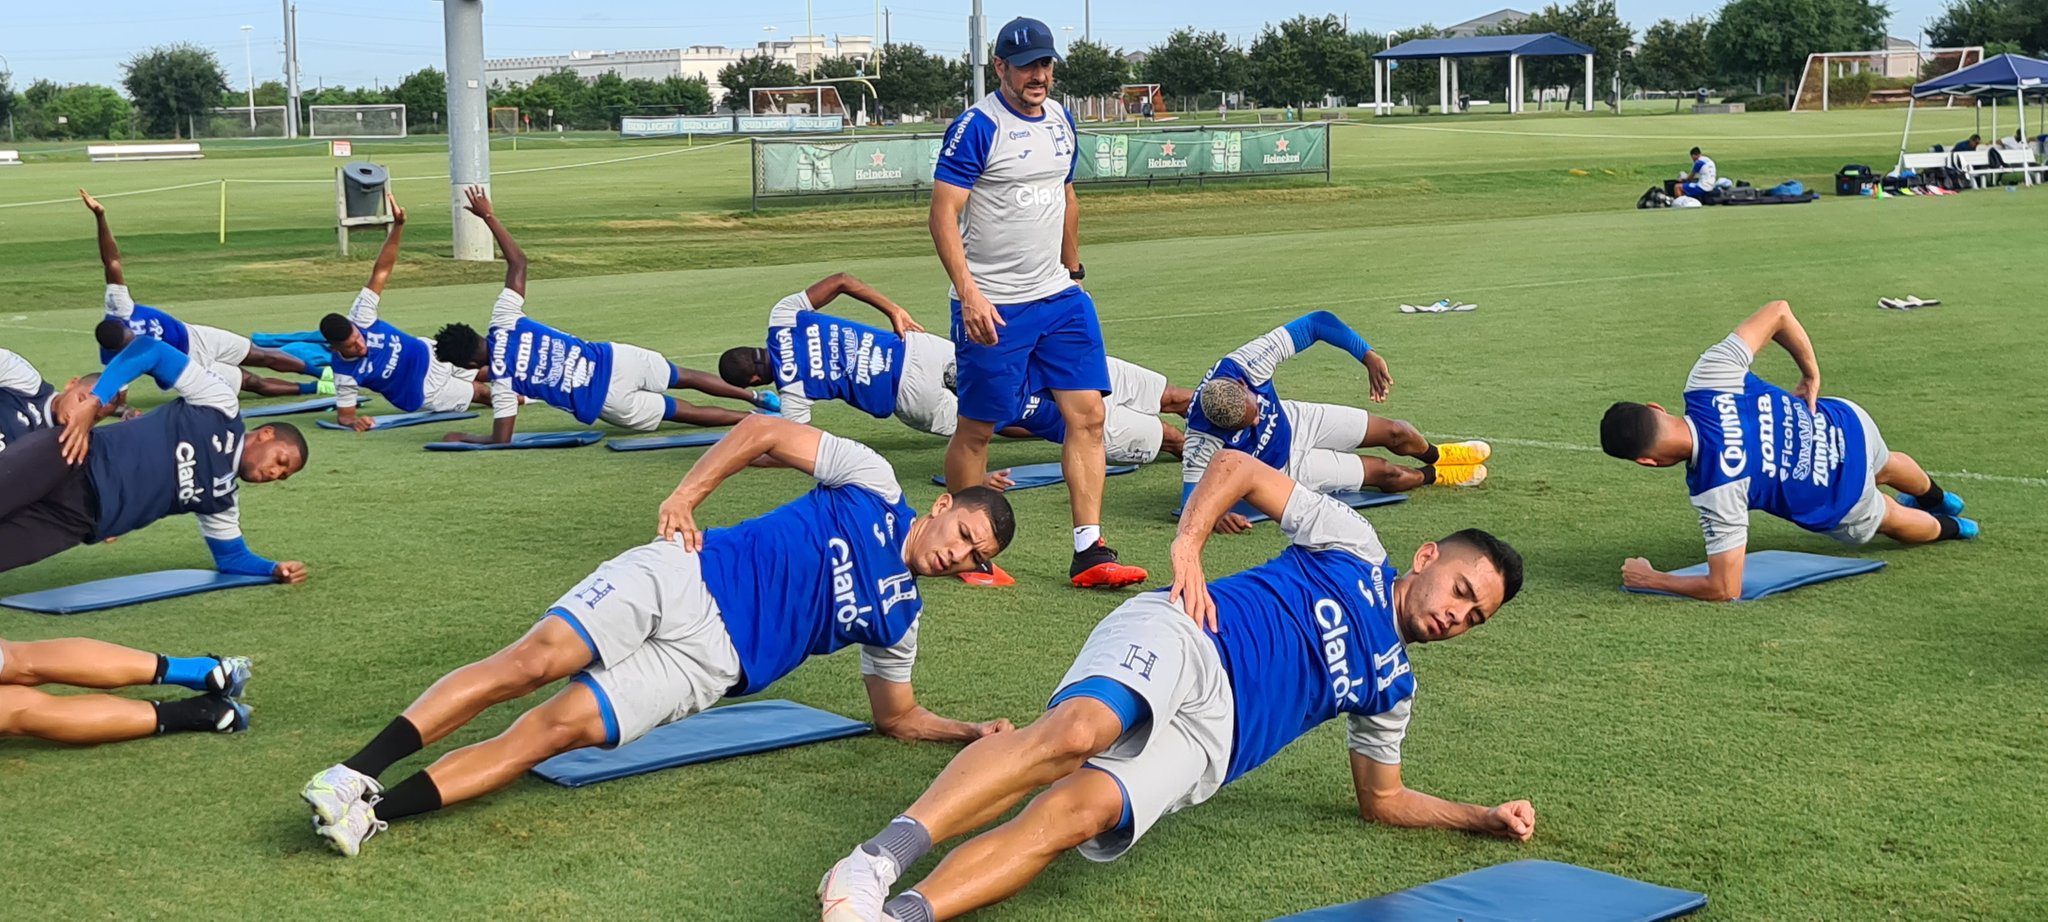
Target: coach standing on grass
<point x="1006" y="224"/>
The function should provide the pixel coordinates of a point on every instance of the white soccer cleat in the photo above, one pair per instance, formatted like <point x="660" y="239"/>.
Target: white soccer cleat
<point x="855" y="889"/>
<point x="356" y="826"/>
<point x="337" y="789"/>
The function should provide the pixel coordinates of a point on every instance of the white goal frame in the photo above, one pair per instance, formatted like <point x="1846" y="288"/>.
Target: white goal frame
<point x="1920" y="56"/>
<point x="313" y="119"/>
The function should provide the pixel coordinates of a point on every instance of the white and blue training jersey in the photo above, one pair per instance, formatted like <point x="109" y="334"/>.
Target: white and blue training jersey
<point x="1757" y="446"/>
<point x="1271" y="440"/>
<point x="533" y="360"/>
<point x="25" y="399"/>
<point x="395" y="364"/>
<point x="821" y="357"/>
<point x="1016" y="168"/>
<point x="143" y="320"/>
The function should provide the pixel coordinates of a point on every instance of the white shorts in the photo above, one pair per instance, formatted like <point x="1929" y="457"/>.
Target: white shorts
<point x="447" y="388"/>
<point x="215" y="346"/>
<point x="1326" y="442"/>
<point x="661" y="649"/>
<point x="1180" y="756"/>
<point x="1130" y="436"/>
<point x="1135" y="386"/>
<point x="638" y="397"/>
<point x="1860" y="525"/>
<point x="922" y="400"/>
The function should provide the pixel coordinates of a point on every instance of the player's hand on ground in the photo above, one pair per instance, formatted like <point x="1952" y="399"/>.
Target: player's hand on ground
<point x="476" y="202"/>
<point x="397" y="213"/>
<point x="91" y="204"/>
<point x="998" y="481"/>
<point x="1233" y="524"/>
<point x="1636" y="573"/>
<point x="1808" y="389"/>
<point x="459" y="437"/>
<point x="77" y="437"/>
<point x="993" y="727"/>
<point x="979" y="318"/>
<point x="363" y="423"/>
<point x="1191" y="588"/>
<point x="678" y="523"/>
<point x="289" y="571"/>
<point x="1515" y="820"/>
<point x="1379" y="380"/>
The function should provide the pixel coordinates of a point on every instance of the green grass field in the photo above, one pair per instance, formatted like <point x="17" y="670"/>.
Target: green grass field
<point x="1870" y="748"/>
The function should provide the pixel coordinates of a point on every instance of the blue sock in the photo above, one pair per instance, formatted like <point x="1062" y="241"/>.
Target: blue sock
<point x="308" y="387"/>
<point x="188" y="671"/>
<point x="675" y="376"/>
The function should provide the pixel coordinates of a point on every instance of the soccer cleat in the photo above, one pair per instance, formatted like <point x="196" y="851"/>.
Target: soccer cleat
<point x="230" y="677"/>
<point x="768" y="402"/>
<point x="1459" y="454"/>
<point x="855" y="889"/>
<point x="994" y="578"/>
<point x="1097" y="568"/>
<point x="326" y="386"/>
<point x="234" y="715"/>
<point x="1460" y="475"/>
<point x="332" y="792"/>
<point x="1951" y="504"/>
<point x="1966" y="529"/>
<point x="1891" y="304"/>
<point x="355" y="827"/>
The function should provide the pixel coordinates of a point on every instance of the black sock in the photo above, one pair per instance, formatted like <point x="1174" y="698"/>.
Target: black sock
<point x="1429" y="474"/>
<point x="396" y="741"/>
<point x="1950" y="528"/>
<point x="198" y="714"/>
<point x="909" y="906"/>
<point x="163" y="665"/>
<point x="411" y="797"/>
<point x="1428" y="457"/>
<point x="1933" y="498"/>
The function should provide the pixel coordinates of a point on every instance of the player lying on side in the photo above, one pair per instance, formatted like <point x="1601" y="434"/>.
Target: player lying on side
<point x="1746" y="443"/>
<point x="77" y="485"/>
<point x="1132" y="432"/>
<point x="620" y="383"/>
<point x="208" y="346"/>
<point x="812" y="356"/>
<point x="83" y="720"/>
<point x="667" y="629"/>
<point x="1237" y="407"/>
<point x="30" y="404"/>
<point x="373" y="354"/>
<point x="1178" y="693"/>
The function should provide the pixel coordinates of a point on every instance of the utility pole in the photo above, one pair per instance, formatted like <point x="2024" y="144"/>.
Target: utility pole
<point x="1088" y="19"/>
<point x="469" y="147"/>
<point x="976" y="61"/>
<point x="291" y="69"/>
<point x="249" y="68"/>
<point x="886" y="18"/>
<point x="811" y="40"/>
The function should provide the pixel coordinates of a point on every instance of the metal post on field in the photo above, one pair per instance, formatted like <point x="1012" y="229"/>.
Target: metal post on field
<point x="469" y="138"/>
<point x="976" y="54"/>
<point x="249" y="68"/>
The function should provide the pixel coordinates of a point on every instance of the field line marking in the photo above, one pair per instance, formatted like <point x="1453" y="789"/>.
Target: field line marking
<point x="1618" y="137"/>
<point x="1570" y="446"/>
<point x="74" y="198"/>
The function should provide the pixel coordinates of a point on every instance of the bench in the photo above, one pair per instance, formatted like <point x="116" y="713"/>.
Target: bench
<point x="2022" y="161"/>
<point x="1921" y="163"/>
<point x="108" y="153"/>
<point x="10" y="158"/>
<point x="1723" y="108"/>
<point x="1975" y="164"/>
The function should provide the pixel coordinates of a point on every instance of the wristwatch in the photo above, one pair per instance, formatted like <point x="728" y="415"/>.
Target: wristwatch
<point x="1077" y="273"/>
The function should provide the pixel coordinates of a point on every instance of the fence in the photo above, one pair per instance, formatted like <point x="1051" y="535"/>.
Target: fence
<point x="641" y="126"/>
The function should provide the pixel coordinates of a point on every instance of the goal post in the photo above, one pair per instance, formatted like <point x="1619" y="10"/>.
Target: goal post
<point x="1827" y="73"/>
<point x="241" y="122"/>
<point x="1140" y="100"/>
<point x="371" y="121"/>
<point x="505" y="120"/>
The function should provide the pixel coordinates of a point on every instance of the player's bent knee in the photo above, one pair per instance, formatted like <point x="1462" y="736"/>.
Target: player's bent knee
<point x="15" y="702"/>
<point x="1076" y="730"/>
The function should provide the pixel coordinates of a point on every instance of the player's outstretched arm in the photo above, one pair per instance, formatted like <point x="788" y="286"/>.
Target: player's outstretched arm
<point x="1722" y="582"/>
<point x="1382" y="798"/>
<point x="899" y="716"/>
<point x="388" y="256"/>
<point x="824" y="290"/>
<point x="1775" y="322"/>
<point x="1232" y="477"/>
<point x="110" y="252"/>
<point x="789" y="444"/>
<point x="479" y="204"/>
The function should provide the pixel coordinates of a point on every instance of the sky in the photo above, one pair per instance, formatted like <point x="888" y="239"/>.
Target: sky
<point x="365" y="42"/>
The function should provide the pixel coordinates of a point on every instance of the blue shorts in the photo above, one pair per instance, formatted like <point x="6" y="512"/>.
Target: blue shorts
<point x="1053" y="343"/>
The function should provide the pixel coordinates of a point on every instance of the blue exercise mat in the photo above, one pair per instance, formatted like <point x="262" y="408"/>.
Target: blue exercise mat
<point x="524" y="440"/>
<point x="719" y="733"/>
<point x="650" y="443"/>
<point x="1766" y="573"/>
<point x="400" y="420"/>
<point x="1029" y="476"/>
<point x="313" y="405"/>
<point x="128" y="590"/>
<point x="1519" y="891"/>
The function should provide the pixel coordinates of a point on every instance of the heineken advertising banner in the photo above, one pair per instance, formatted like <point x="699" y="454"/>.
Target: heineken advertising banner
<point x="883" y="163"/>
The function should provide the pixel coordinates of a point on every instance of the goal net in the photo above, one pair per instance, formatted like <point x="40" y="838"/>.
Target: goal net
<point x="1140" y="100"/>
<point x="376" y="121"/>
<point x="795" y="100"/>
<point x="1863" y="78"/>
<point x="505" y="120"/>
<point x="241" y="122"/>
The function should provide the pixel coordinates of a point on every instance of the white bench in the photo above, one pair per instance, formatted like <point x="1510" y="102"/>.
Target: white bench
<point x="1975" y="164"/>
<point x="10" y="158"/>
<point x="2023" y="162"/>
<point x="1921" y="163"/>
<point x="106" y="153"/>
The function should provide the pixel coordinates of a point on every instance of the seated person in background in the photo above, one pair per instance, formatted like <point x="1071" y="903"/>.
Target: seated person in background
<point x="1972" y="143"/>
<point x="82" y="720"/>
<point x="1704" y="177"/>
<point x="2018" y="141"/>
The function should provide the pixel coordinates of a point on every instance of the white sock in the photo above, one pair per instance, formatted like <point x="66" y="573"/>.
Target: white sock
<point x="1085" y="537"/>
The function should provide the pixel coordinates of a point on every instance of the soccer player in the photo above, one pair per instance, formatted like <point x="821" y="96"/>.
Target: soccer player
<point x="813" y="356"/>
<point x="1746" y="443"/>
<point x="376" y="355"/>
<point x="1177" y="694"/>
<point x="619" y="383"/>
<point x="80" y="484"/>
<point x="30" y="404"/>
<point x="1006" y="226"/>
<point x="668" y="628"/>
<point x="1236" y="406"/>
<point x="83" y="720"/>
<point x="208" y="346"/>
<point x="1703" y="179"/>
<point x="1132" y="431"/>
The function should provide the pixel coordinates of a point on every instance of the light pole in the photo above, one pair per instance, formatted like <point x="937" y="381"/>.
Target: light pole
<point x="249" y="67"/>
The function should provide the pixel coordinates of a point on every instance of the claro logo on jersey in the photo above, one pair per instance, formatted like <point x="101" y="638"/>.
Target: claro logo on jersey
<point x="846" y="607"/>
<point x="1733" y="458"/>
<point x="1027" y="196"/>
<point x="188" y="463"/>
<point x="1336" y="651"/>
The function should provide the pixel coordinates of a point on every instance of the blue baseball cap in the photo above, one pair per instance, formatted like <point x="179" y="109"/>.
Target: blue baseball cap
<point x="1024" y="41"/>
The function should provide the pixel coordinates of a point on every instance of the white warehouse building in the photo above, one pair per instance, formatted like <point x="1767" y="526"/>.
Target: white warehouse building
<point x="702" y="61"/>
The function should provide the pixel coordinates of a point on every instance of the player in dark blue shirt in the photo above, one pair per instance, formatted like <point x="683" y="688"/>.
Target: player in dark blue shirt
<point x="1179" y="693"/>
<point x="30" y="404"/>
<point x="84" y="720"/>
<point x="80" y="484"/>
<point x="1748" y="444"/>
<point x="667" y="629"/>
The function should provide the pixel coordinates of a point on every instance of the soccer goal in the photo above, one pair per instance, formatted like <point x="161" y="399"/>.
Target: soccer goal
<point x="1833" y="78"/>
<point x="375" y="121"/>
<point x="795" y="100"/>
<point x="241" y="122"/>
<point x="505" y="120"/>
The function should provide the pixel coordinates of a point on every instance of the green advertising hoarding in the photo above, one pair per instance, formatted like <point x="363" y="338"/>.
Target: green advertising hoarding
<point x="905" y="163"/>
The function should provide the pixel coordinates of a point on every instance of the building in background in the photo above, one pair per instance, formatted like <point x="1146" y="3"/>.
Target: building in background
<point x="1497" y="21"/>
<point x="702" y="61"/>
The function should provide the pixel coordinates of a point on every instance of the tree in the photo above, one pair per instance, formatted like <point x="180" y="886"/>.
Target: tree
<point x="683" y="95"/>
<point x="1674" y="57"/>
<point x="1365" y="43"/>
<point x="2020" y="24"/>
<point x="1416" y="81"/>
<point x="1188" y="63"/>
<point x="1091" y="70"/>
<point x="1768" y="40"/>
<point x="743" y="76"/>
<point x="173" y="84"/>
<point x="1305" y="59"/>
<point x="8" y="101"/>
<point x="1591" y="22"/>
<point x="424" y="93"/>
<point x="91" y="111"/>
<point x="851" y="92"/>
<point x="599" y="103"/>
<point x="912" y="81"/>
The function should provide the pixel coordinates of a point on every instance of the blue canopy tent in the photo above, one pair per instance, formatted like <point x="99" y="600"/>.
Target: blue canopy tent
<point x="1994" y="78"/>
<point x="1447" y="52"/>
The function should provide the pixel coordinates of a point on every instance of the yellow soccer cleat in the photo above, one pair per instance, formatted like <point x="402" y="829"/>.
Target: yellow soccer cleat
<point x="1462" y="454"/>
<point x="1460" y="475"/>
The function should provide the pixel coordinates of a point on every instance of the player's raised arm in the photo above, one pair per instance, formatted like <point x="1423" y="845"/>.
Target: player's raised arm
<point x="1774" y="322"/>
<point x="783" y="442"/>
<point x="1382" y="798"/>
<point x="479" y="204"/>
<point x="388" y="256"/>
<point x="1232" y="477"/>
<point x="824" y="290"/>
<point x="110" y="252"/>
